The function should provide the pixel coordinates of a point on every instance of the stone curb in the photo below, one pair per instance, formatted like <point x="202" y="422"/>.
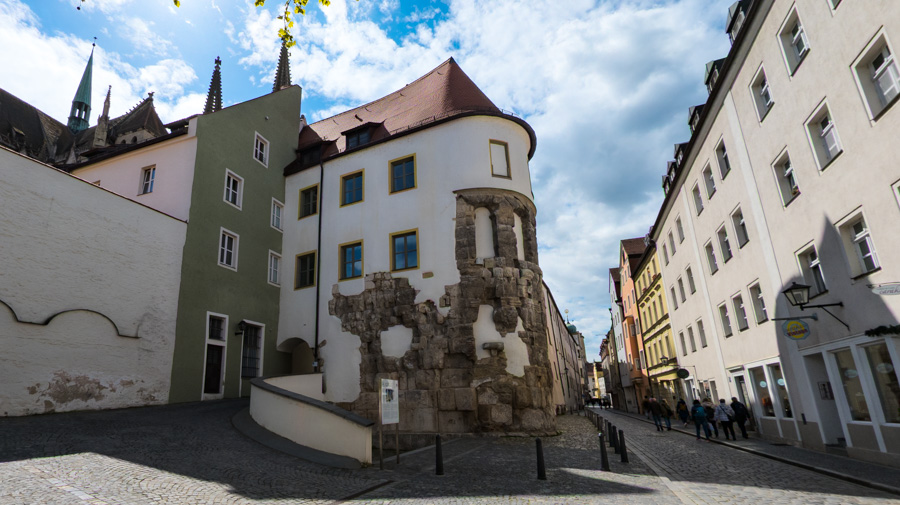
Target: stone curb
<point x="824" y="471"/>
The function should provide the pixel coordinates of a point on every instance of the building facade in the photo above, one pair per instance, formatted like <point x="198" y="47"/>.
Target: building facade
<point x="630" y="253"/>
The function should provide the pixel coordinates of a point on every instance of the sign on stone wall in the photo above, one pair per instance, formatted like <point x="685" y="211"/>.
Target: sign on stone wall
<point x="390" y="402"/>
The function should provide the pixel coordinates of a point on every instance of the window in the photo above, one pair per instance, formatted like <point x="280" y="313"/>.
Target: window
<point x="724" y="245"/>
<point x="879" y="80"/>
<point x="674" y="300"/>
<point x="277" y="212"/>
<point x="794" y="41"/>
<point x="305" y="271"/>
<point x="690" y="278"/>
<point x="811" y="270"/>
<point x="228" y="249"/>
<point x="759" y="304"/>
<point x="698" y="200"/>
<point x="824" y="136"/>
<point x="499" y="159"/>
<point x="786" y="178"/>
<point x="351" y="260"/>
<point x="701" y="333"/>
<point x="681" y="290"/>
<point x="352" y="188"/>
<point x="683" y="347"/>
<point x="726" y="322"/>
<point x="722" y="158"/>
<point x="762" y="95"/>
<point x="711" y="258"/>
<point x="781" y="390"/>
<point x="680" y="229"/>
<point x="885" y="378"/>
<point x="309" y="201"/>
<point x="860" y="249"/>
<point x="691" y="339"/>
<point x="250" y="355"/>
<point x="234" y="189"/>
<point x="310" y="156"/>
<point x="403" y="174"/>
<point x="740" y="227"/>
<point x="665" y="254"/>
<point x="216" y="328"/>
<point x="672" y="243"/>
<point x="261" y="150"/>
<point x="274" y="268"/>
<point x="739" y="312"/>
<point x="761" y="388"/>
<point x="853" y="392"/>
<point x="710" y="182"/>
<point x="357" y="138"/>
<point x="404" y="251"/>
<point x="214" y="371"/>
<point x="148" y="175"/>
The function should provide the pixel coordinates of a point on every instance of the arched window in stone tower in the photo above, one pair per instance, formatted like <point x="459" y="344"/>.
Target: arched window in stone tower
<point x="520" y="240"/>
<point x="484" y="234"/>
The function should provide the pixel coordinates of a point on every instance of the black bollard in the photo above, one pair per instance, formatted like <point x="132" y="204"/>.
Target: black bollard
<point x="438" y="456"/>
<point x="613" y="439"/>
<point x="604" y="458"/>
<point x="542" y="471"/>
<point x="622" y="449"/>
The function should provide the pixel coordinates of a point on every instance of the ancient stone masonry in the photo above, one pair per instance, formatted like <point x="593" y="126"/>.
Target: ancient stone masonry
<point x="445" y="386"/>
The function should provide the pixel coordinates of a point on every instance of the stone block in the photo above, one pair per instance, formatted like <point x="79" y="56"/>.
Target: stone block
<point x="535" y="420"/>
<point x="446" y="399"/>
<point x="537" y="397"/>
<point x="455" y="377"/>
<point x="487" y="397"/>
<point x="523" y="397"/>
<point x="465" y="398"/>
<point x="501" y="414"/>
<point x="454" y="422"/>
<point x="418" y="420"/>
<point x="416" y="399"/>
<point x="426" y="379"/>
<point x="367" y="401"/>
<point x="484" y="414"/>
<point x="462" y="345"/>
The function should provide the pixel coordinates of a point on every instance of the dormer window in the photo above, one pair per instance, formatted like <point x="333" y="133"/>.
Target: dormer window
<point x="357" y="138"/>
<point x="738" y="22"/>
<point x="310" y="156"/>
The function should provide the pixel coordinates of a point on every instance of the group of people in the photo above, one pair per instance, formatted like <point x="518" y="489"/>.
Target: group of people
<point x="706" y="416"/>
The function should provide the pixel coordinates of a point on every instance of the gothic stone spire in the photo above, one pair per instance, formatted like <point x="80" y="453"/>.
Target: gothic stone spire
<point x="102" y="129"/>
<point x="214" y="97"/>
<point x="283" y="74"/>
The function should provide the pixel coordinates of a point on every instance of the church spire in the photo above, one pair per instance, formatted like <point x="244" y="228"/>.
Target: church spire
<point x="283" y="74"/>
<point x="214" y="97"/>
<point x="102" y="129"/>
<point x="79" y="116"/>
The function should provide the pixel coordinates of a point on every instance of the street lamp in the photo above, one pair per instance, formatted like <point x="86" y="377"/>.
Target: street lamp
<point x="798" y="296"/>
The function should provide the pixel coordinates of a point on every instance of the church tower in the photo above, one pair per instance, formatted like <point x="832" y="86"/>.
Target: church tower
<point x="283" y="74"/>
<point x="79" y="116"/>
<point x="102" y="129"/>
<point x="214" y="97"/>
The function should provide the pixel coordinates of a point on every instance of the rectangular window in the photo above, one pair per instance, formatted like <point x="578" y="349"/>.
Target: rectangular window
<point x="722" y="158"/>
<point x="352" y="188"/>
<point x="403" y="174"/>
<point x="672" y="243"/>
<point x="724" y="245"/>
<point x="309" y="201"/>
<point x="148" y="175"/>
<point x="234" y="189"/>
<point x="711" y="258"/>
<point x="250" y="353"/>
<point x="274" y="268"/>
<point x="698" y="200"/>
<point x="277" y="212"/>
<point x="261" y="150"/>
<point x="794" y="43"/>
<point x="499" y="158"/>
<point x="357" y="138"/>
<point x="305" y="271"/>
<point x="701" y="333"/>
<point x="787" y="179"/>
<point x="824" y="136"/>
<point x="853" y="392"/>
<point x="726" y="322"/>
<point x="680" y="230"/>
<point x="691" y="339"/>
<point x="740" y="313"/>
<point x="681" y="290"/>
<point x="665" y="254"/>
<point x="798" y="40"/>
<point x="762" y="95"/>
<point x="885" y="377"/>
<point x="228" y="249"/>
<point x="683" y="347"/>
<point x="759" y="304"/>
<point x="216" y="328"/>
<point x="781" y="390"/>
<point x="876" y="71"/>
<point x="690" y="278"/>
<point x="710" y="182"/>
<point x="740" y="227"/>
<point x="860" y="248"/>
<point x="674" y="300"/>
<point x="762" y="389"/>
<point x="811" y="269"/>
<point x="404" y="251"/>
<point x="351" y="260"/>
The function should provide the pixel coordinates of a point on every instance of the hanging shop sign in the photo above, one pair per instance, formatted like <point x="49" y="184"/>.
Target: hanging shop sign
<point x="795" y="329"/>
<point x="888" y="289"/>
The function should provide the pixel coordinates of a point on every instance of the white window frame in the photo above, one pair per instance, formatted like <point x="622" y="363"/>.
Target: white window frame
<point x="820" y="128"/>
<point x="229" y="175"/>
<point x="709" y="181"/>
<point x="680" y="228"/>
<point x="690" y="277"/>
<point x="740" y="311"/>
<point x="259" y="140"/>
<point x="811" y="269"/>
<point x="274" y="268"/>
<point x="701" y="333"/>
<point x="234" y="252"/>
<point x="759" y="303"/>
<point x="761" y="93"/>
<point x="725" y="320"/>
<point x="276" y="220"/>
<point x="665" y="253"/>
<point x="698" y="198"/>
<point x="740" y="227"/>
<point x="853" y="239"/>
<point x="869" y="79"/>
<point x="681" y="291"/>
<point x="684" y="351"/>
<point x="711" y="258"/>
<point x="722" y="159"/>
<point x="724" y="244"/>
<point x="793" y="58"/>
<point x="674" y="299"/>
<point x="691" y="339"/>
<point x="672" y="243"/>
<point x="262" y="354"/>
<point x="148" y="179"/>
<point x="224" y="345"/>
<point x="786" y="177"/>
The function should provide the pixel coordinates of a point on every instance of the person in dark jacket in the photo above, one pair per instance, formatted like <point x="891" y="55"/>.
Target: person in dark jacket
<point x="741" y="414"/>
<point x="710" y="409"/>
<point x="656" y="411"/>
<point x="698" y="414"/>
<point x="684" y="413"/>
<point x="645" y="407"/>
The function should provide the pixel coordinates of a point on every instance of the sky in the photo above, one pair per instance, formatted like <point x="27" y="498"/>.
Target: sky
<point x="606" y="85"/>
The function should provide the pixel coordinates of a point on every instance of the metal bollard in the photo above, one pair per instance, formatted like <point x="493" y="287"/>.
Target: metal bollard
<point x="541" y="470"/>
<point x="622" y="450"/>
<point x="604" y="458"/>
<point x="438" y="456"/>
<point x="614" y="440"/>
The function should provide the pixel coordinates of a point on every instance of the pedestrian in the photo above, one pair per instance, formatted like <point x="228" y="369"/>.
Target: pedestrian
<point x="710" y="408"/>
<point x="656" y="411"/>
<point x="645" y="405"/>
<point x="741" y="414"/>
<point x="725" y="416"/>
<point x="683" y="412"/>
<point x="698" y="413"/>
<point x="667" y="414"/>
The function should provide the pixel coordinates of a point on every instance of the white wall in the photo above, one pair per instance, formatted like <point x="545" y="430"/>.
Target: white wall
<point x="90" y="283"/>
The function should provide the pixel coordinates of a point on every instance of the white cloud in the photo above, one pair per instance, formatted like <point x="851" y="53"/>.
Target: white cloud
<point x="142" y="36"/>
<point x="104" y="6"/>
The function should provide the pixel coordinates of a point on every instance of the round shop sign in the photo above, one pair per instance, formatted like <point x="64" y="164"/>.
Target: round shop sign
<point x="884" y="368"/>
<point x="795" y="329"/>
<point x="851" y="373"/>
<point x="763" y="384"/>
<point x="682" y="373"/>
<point x="780" y="382"/>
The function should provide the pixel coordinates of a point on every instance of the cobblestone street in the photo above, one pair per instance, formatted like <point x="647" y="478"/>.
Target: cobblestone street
<point x="187" y="454"/>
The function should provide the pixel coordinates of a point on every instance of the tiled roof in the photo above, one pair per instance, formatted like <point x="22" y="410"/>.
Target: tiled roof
<point x="24" y="128"/>
<point x="634" y="246"/>
<point x="142" y="116"/>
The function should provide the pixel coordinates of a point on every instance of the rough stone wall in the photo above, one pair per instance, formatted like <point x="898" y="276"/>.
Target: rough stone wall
<point x="444" y="386"/>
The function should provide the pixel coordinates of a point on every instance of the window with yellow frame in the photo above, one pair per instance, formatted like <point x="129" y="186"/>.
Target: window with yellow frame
<point x="352" y="188"/>
<point x="405" y="250"/>
<point x="403" y="173"/>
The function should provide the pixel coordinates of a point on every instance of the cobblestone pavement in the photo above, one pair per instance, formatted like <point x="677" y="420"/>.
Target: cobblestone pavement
<point x="190" y="454"/>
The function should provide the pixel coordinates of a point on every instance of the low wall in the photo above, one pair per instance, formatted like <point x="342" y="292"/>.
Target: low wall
<point x="309" y="421"/>
<point x="307" y="384"/>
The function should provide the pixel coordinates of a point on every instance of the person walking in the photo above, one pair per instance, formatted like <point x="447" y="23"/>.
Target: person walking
<point x="656" y="412"/>
<point x="667" y="414"/>
<point x="741" y="414"/>
<point x="725" y="415"/>
<point x="645" y="406"/>
<point x="683" y="412"/>
<point x="710" y="408"/>
<point x="698" y="414"/>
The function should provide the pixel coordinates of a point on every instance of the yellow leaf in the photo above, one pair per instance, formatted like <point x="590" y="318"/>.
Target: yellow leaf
<point x="259" y="3"/>
<point x="177" y="3"/>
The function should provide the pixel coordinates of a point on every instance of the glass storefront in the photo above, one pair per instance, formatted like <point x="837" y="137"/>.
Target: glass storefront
<point x="761" y="388"/>
<point x="885" y="377"/>
<point x="781" y="390"/>
<point x="859" y="409"/>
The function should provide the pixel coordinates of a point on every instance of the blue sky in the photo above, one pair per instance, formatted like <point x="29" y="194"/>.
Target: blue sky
<point x="606" y="85"/>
